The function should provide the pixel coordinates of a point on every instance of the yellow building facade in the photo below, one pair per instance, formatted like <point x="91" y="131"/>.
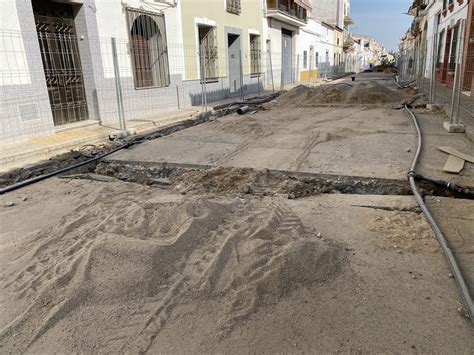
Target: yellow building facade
<point x="219" y="37"/>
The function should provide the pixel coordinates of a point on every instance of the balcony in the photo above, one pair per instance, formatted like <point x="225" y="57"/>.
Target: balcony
<point x="348" y="42"/>
<point x="288" y="11"/>
<point x="348" y="21"/>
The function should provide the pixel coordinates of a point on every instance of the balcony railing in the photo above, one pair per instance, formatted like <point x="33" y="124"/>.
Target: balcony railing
<point x="348" y="41"/>
<point x="288" y="7"/>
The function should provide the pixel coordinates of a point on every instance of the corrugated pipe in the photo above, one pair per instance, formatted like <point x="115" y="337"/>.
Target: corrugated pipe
<point x="243" y="109"/>
<point x="458" y="277"/>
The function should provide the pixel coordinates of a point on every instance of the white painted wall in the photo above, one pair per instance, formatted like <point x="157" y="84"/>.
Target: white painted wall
<point x="112" y="22"/>
<point x="329" y="11"/>
<point x="432" y="19"/>
<point x="13" y="63"/>
<point x="321" y="37"/>
<point x="311" y="36"/>
<point x="272" y="31"/>
<point x="327" y="47"/>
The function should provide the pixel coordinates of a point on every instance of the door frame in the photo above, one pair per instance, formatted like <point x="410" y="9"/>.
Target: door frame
<point x="288" y="33"/>
<point x="57" y="67"/>
<point x="235" y="32"/>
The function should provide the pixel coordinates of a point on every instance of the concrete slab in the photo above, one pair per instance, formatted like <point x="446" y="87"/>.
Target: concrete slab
<point x="354" y="141"/>
<point x="179" y="149"/>
<point x="432" y="159"/>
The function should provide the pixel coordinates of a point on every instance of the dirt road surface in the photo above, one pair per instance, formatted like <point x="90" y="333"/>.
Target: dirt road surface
<point x="214" y="259"/>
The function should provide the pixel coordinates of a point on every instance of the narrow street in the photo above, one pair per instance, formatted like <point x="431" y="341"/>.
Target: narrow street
<point x="291" y="229"/>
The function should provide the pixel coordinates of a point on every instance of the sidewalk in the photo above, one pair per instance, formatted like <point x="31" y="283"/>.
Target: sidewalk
<point x="444" y="97"/>
<point x="41" y="148"/>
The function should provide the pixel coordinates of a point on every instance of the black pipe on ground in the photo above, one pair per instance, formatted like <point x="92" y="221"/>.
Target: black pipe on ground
<point x="60" y="171"/>
<point x="140" y="138"/>
<point x="462" y="190"/>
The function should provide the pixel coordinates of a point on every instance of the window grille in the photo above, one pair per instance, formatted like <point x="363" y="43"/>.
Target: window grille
<point x="208" y="53"/>
<point x="61" y="59"/>
<point x="233" y="6"/>
<point x="305" y="59"/>
<point x="255" y="55"/>
<point x="148" y="47"/>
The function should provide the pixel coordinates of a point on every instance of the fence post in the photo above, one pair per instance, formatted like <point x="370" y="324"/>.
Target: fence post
<point x="241" y="77"/>
<point x="258" y="85"/>
<point x="177" y="96"/>
<point x="201" y="76"/>
<point x="297" y="69"/>
<point x="203" y="81"/>
<point x="271" y="71"/>
<point x="118" y="86"/>
<point x="456" y="100"/>
<point x="433" y="69"/>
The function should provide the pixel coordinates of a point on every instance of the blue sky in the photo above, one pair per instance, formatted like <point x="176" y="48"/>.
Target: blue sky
<point x="383" y="20"/>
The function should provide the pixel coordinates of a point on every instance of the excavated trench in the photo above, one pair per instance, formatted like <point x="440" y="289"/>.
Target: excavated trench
<point x="198" y="179"/>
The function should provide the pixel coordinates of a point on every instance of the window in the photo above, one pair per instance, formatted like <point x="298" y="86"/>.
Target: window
<point x="305" y="59"/>
<point x="233" y="6"/>
<point x="208" y="52"/>
<point x="317" y="59"/>
<point x="148" y="48"/>
<point x="454" y="49"/>
<point x="446" y="3"/>
<point x="255" y="55"/>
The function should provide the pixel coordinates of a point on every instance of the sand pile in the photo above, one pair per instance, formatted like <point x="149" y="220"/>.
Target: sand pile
<point x="304" y="95"/>
<point x="109" y="275"/>
<point x="360" y="93"/>
<point x="242" y="125"/>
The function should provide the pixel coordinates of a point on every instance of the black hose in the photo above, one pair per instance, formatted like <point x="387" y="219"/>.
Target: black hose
<point x="462" y="190"/>
<point x="60" y="171"/>
<point x="458" y="277"/>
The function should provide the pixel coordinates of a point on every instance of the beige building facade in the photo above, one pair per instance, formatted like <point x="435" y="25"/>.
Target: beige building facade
<point x="219" y="38"/>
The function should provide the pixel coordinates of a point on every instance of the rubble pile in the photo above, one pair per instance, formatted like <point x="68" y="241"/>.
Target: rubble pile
<point x="361" y="93"/>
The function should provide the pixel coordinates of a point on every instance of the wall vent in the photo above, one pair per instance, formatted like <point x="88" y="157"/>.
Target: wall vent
<point x="28" y="112"/>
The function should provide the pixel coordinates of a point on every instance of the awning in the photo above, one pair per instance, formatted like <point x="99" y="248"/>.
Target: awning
<point x="305" y="4"/>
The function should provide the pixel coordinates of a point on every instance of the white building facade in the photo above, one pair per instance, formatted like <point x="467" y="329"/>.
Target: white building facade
<point x="57" y="67"/>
